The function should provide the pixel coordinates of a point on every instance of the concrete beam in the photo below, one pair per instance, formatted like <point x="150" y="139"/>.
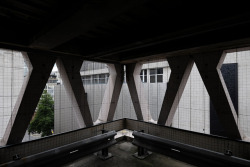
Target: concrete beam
<point x="69" y="69"/>
<point x="181" y="67"/>
<point x="112" y="93"/>
<point x="137" y="92"/>
<point x="40" y="67"/>
<point x="209" y="65"/>
<point x="89" y="16"/>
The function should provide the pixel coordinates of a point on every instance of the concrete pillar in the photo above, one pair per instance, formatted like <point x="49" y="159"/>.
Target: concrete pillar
<point x="69" y="69"/>
<point x="209" y="65"/>
<point x="40" y="67"/>
<point x="181" y="67"/>
<point x="137" y="92"/>
<point x="112" y="93"/>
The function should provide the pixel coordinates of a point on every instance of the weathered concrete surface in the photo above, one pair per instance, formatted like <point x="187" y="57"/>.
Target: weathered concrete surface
<point x="69" y="69"/>
<point x="112" y="93"/>
<point x="40" y="67"/>
<point x="209" y="65"/>
<point x="137" y="92"/>
<point x="180" y="70"/>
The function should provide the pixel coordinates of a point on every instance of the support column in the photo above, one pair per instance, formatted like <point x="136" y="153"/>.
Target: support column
<point x="40" y="67"/>
<point x="181" y="67"/>
<point x="209" y="65"/>
<point x="69" y="69"/>
<point x="137" y="92"/>
<point x="112" y="93"/>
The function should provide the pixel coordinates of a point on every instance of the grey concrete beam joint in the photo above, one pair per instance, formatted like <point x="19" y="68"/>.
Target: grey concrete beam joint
<point x="111" y="94"/>
<point x="137" y="93"/>
<point x="209" y="65"/>
<point x="181" y="67"/>
<point x="69" y="69"/>
<point x="40" y="67"/>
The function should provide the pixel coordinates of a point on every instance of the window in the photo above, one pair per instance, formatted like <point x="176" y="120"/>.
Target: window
<point x="152" y="75"/>
<point x="102" y="79"/>
<point x="86" y="80"/>
<point x="95" y="79"/>
<point x="159" y="74"/>
<point x="143" y="75"/>
<point x="156" y="75"/>
<point x="106" y="78"/>
<point x="52" y="80"/>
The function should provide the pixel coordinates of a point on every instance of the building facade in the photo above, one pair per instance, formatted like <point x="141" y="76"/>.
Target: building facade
<point x="194" y="112"/>
<point x="12" y="75"/>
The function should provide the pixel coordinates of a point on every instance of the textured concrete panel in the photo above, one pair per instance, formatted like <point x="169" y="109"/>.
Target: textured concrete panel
<point x="70" y="73"/>
<point x="137" y="92"/>
<point x="209" y="65"/>
<point x="230" y="75"/>
<point x="29" y="97"/>
<point x="180" y="69"/>
<point x="112" y="93"/>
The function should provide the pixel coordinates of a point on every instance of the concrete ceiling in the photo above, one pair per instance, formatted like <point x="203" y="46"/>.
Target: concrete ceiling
<point x="123" y="31"/>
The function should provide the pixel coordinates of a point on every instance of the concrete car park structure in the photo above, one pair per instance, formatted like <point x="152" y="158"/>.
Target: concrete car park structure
<point x="126" y="34"/>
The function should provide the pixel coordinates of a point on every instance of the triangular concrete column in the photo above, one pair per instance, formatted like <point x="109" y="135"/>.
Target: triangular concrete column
<point x="69" y="69"/>
<point x="112" y="93"/>
<point x="137" y="92"/>
<point x="40" y="67"/>
<point x="181" y="67"/>
<point x="209" y="65"/>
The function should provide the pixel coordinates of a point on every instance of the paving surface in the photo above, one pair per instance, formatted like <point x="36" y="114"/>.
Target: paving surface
<point x="122" y="157"/>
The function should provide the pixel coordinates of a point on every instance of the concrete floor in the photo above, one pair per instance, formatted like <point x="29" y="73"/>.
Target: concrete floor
<point x="122" y="157"/>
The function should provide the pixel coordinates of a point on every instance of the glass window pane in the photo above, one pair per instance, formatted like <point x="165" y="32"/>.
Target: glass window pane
<point x="152" y="79"/>
<point x="145" y="72"/>
<point x="141" y="72"/>
<point x="159" y="70"/>
<point x="145" y="78"/>
<point x="102" y="81"/>
<point x="141" y="78"/>
<point x="95" y="81"/>
<point x="87" y="81"/>
<point x="152" y="71"/>
<point x="101" y="76"/>
<point x="96" y="76"/>
<point x="159" y="78"/>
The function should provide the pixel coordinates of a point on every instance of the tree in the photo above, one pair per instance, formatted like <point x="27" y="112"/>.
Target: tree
<point x="43" y="121"/>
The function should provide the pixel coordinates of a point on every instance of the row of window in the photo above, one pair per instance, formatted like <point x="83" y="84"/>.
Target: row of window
<point x="52" y="81"/>
<point x="155" y="76"/>
<point x="95" y="79"/>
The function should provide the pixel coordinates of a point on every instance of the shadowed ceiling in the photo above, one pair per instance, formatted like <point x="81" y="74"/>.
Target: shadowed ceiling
<point x="122" y="31"/>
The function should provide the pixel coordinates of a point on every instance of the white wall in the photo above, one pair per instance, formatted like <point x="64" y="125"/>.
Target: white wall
<point x="193" y="112"/>
<point x="11" y="80"/>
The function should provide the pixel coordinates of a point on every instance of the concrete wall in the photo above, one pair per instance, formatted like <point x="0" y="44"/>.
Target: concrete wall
<point x="243" y="60"/>
<point x="11" y="80"/>
<point x="193" y="111"/>
<point x="65" y="117"/>
<point x="154" y="92"/>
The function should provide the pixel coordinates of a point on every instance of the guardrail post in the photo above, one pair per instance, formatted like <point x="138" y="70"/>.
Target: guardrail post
<point x="104" y="153"/>
<point x="142" y="152"/>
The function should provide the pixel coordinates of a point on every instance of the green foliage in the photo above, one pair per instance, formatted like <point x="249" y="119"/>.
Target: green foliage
<point x="43" y="121"/>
